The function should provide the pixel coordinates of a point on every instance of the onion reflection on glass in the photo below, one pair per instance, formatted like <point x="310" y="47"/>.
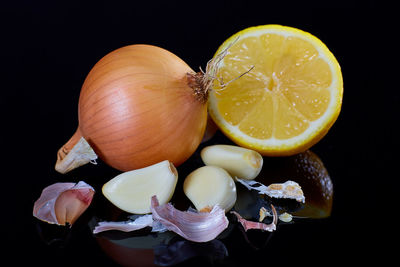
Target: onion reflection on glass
<point x="161" y="249"/>
<point x="132" y="250"/>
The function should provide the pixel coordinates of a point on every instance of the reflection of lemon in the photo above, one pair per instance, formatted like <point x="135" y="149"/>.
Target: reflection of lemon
<point x="288" y="101"/>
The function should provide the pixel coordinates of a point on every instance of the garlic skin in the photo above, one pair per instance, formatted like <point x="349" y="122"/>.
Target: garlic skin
<point x="193" y="226"/>
<point x="63" y="203"/>
<point x="129" y="226"/>
<point x="247" y="225"/>
<point x="237" y="161"/>
<point x="209" y="186"/>
<point x="132" y="191"/>
<point x="288" y="189"/>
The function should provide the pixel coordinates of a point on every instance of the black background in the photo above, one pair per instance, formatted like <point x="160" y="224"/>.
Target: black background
<point x="48" y="48"/>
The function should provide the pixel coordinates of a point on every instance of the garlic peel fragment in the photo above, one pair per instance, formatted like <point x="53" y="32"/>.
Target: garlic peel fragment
<point x="131" y="225"/>
<point x="288" y="189"/>
<point x="193" y="226"/>
<point x="62" y="203"/>
<point x="263" y="213"/>
<point x="247" y="225"/>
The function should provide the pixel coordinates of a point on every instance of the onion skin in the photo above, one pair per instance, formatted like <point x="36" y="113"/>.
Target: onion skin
<point x="137" y="107"/>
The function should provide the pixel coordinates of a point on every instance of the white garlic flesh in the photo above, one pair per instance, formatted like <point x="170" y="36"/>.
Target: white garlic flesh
<point x="239" y="162"/>
<point x="209" y="186"/>
<point x="132" y="191"/>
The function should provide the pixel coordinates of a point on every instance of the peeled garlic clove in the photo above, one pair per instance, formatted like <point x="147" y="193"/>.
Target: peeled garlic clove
<point x="132" y="191"/>
<point x="237" y="161"/>
<point x="209" y="186"/>
<point x="63" y="203"/>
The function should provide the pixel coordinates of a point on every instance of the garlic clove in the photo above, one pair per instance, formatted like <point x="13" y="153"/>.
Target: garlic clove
<point x="70" y="205"/>
<point x="237" y="161"/>
<point x="132" y="191"/>
<point x="286" y="217"/>
<point x="263" y="213"/>
<point x="209" y="186"/>
<point x="63" y="203"/>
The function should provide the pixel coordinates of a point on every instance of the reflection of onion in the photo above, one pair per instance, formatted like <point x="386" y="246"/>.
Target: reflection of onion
<point x="134" y="251"/>
<point x="309" y="172"/>
<point x="127" y="256"/>
<point x="180" y="250"/>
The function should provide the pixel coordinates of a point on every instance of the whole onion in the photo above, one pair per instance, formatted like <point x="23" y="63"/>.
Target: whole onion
<point x="139" y="105"/>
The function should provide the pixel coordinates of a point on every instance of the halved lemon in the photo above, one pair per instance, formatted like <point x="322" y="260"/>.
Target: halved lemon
<point x="288" y="101"/>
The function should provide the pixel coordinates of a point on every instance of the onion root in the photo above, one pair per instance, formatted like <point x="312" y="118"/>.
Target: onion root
<point x="70" y="158"/>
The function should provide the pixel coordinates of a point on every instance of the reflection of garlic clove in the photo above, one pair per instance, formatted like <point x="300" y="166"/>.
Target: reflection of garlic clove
<point x="209" y="186"/>
<point x="132" y="191"/>
<point x="237" y="161"/>
<point x="63" y="203"/>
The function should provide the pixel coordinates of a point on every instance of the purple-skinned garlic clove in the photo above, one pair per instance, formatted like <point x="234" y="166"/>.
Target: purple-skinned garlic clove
<point x="63" y="203"/>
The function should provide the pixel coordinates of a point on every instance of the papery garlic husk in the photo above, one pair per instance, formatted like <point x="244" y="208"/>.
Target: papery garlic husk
<point x="131" y="225"/>
<point x="209" y="186"/>
<point x="237" y="161"/>
<point x="247" y="225"/>
<point x="193" y="226"/>
<point x="288" y="189"/>
<point x="63" y="203"/>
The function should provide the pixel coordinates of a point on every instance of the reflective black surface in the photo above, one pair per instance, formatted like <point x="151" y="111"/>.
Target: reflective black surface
<point x="48" y="49"/>
<point x="234" y="246"/>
